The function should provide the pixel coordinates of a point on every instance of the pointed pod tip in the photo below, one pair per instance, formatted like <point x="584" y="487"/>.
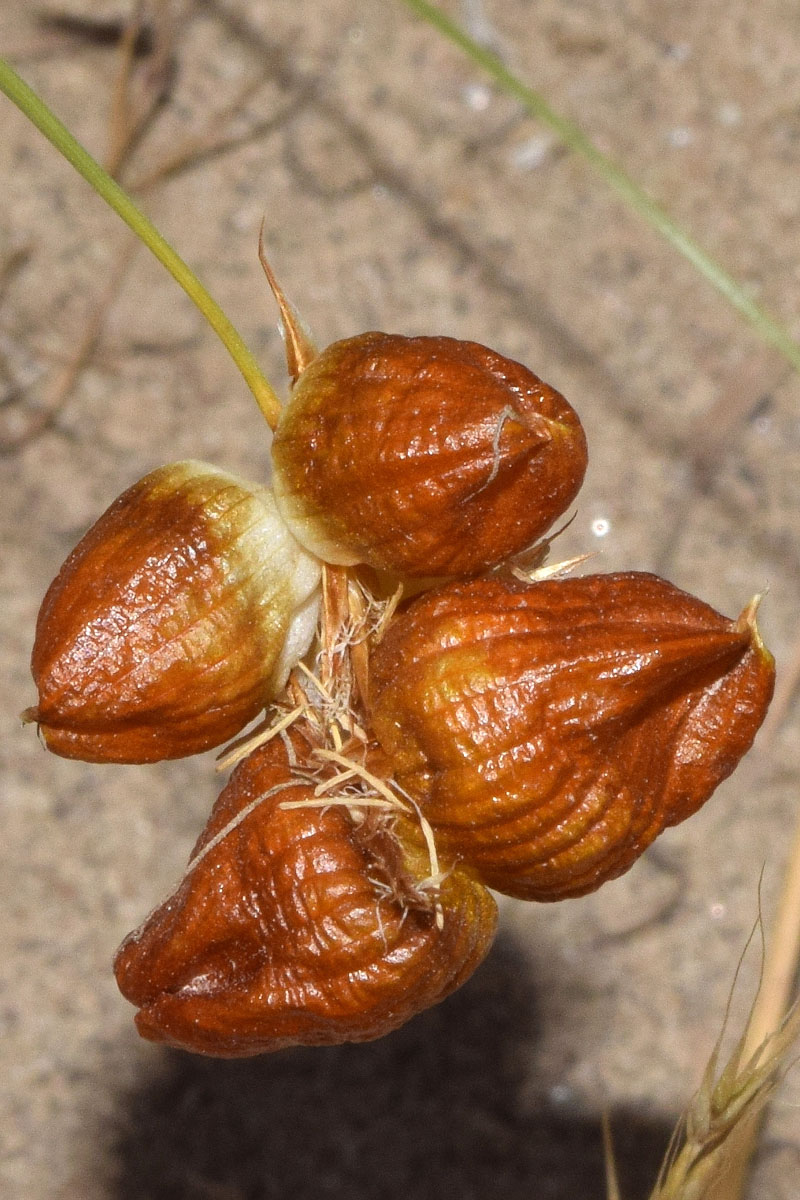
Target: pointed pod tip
<point x="29" y="716"/>
<point x="558" y="570"/>
<point x="544" y="429"/>
<point x="299" y="345"/>
<point x="747" y="623"/>
<point x="557" y="428"/>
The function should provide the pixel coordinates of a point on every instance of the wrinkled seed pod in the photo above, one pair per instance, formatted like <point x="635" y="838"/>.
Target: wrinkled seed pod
<point x="173" y="622"/>
<point x="423" y="456"/>
<point x="299" y="927"/>
<point x="550" y="732"/>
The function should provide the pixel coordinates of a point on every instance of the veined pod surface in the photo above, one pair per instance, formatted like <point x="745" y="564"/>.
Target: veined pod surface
<point x="299" y="926"/>
<point x="423" y="456"/>
<point x="173" y="622"/>
<point x="551" y="731"/>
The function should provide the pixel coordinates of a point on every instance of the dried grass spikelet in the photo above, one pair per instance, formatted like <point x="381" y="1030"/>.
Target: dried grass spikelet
<point x="721" y="1114"/>
<point x="302" y="919"/>
<point x="175" y="620"/>
<point x="550" y="732"/>
<point x="423" y="456"/>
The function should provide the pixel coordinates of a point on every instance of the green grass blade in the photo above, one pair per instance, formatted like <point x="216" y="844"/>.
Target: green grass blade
<point x="575" y="139"/>
<point x="37" y="111"/>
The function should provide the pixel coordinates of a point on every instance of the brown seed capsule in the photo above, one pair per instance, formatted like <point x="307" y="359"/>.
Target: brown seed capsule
<point x="173" y="622"/>
<point x="299" y="926"/>
<point x="551" y="731"/>
<point x="423" y="456"/>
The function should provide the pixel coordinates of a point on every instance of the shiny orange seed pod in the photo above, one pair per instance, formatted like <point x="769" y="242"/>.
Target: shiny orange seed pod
<point x="423" y="456"/>
<point x="173" y="622"/>
<point x="301" y="926"/>
<point x="551" y="731"/>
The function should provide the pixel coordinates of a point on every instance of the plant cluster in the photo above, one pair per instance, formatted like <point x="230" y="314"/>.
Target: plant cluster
<point x="446" y="714"/>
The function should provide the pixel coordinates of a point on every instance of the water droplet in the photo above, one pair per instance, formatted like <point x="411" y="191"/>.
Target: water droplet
<point x="477" y="96"/>
<point x="531" y="153"/>
<point x="680" y="136"/>
<point x="729" y="114"/>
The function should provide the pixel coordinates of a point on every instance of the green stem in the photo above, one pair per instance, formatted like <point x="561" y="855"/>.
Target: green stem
<point x="575" y="139"/>
<point x="37" y="111"/>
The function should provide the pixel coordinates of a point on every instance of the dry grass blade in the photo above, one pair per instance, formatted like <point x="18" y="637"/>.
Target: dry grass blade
<point x="637" y="200"/>
<point x="612" y="1180"/>
<point x="215" y="140"/>
<point x="768" y="1020"/>
<point x="138" y="97"/>
<point x="62" y="384"/>
<point x="11" y="263"/>
<point x="720" y="1126"/>
<point x="243" y="747"/>
<point x="785" y="689"/>
<point x="722" y="1115"/>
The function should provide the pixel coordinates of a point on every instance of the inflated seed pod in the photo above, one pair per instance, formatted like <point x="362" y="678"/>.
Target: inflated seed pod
<point x="306" y="925"/>
<point x="423" y="456"/>
<point x="173" y="622"/>
<point x="550" y="732"/>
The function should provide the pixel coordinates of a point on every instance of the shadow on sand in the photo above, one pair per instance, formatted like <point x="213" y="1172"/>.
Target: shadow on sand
<point x="434" y="1111"/>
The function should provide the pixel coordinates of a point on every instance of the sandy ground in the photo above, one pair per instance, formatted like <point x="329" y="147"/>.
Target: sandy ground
<point x="401" y="192"/>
